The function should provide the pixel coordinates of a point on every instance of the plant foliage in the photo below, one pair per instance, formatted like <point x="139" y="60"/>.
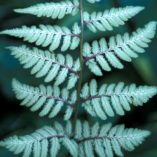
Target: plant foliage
<point x="114" y="98"/>
<point x="78" y="137"/>
<point x="106" y="101"/>
<point x="49" y="100"/>
<point x="105" y="21"/>
<point x="49" y="65"/>
<point x="93" y="1"/>
<point x="88" y="140"/>
<point x="47" y="35"/>
<point x="52" y="10"/>
<point x="102" y="55"/>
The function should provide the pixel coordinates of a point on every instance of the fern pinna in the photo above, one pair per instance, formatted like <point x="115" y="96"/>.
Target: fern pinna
<point x="78" y="137"/>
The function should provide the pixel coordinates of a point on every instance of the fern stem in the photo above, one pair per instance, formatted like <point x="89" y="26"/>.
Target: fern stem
<point x="81" y="63"/>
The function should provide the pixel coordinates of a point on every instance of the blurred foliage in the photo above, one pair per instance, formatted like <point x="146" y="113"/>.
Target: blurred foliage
<point x="16" y="120"/>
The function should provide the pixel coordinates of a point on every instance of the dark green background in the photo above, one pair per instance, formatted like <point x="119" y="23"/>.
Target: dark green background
<point x="18" y="120"/>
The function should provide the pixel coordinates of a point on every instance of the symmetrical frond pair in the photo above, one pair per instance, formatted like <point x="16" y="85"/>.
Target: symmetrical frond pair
<point x="52" y="36"/>
<point x="106" y="101"/>
<point x="105" y="140"/>
<point x="98" y="55"/>
<point x="96" y="21"/>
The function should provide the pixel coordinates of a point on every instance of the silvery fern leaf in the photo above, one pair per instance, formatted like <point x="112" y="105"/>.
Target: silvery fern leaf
<point x="88" y="140"/>
<point x="47" y="35"/>
<point x="105" y="140"/>
<point x="52" y="10"/>
<point x="105" y="21"/>
<point x="104" y="55"/>
<point x="112" y="99"/>
<point x="49" y="100"/>
<point x="44" y="142"/>
<point x="93" y="1"/>
<point x="49" y="65"/>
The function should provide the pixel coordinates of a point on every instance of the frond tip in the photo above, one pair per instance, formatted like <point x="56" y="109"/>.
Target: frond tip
<point x="119" y="48"/>
<point x="114" y="98"/>
<point x="105" y="21"/>
<point x="49" y="100"/>
<point x="52" y="10"/>
<point x="47" y="35"/>
<point x="88" y="140"/>
<point x="44" y="63"/>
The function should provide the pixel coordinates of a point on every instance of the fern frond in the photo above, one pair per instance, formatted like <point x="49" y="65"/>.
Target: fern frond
<point x="101" y="54"/>
<point x="113" y="99"/>
<point x="105" y="21"/>
<point x="93" y="1"/>
<point x="39" y="143"/>
<point x="47" y="35"/>
<point x="52" y="10"/>
<point x="48" y="65"/>
<point x="103" y="141"/>
<point x="48" y="100"/>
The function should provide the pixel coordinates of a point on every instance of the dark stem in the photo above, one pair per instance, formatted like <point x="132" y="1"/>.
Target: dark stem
<point x="104" y="95"/>
<point x="84" y="139"/>
<point x="78" y="140"/>
<point x="81" y="64"/>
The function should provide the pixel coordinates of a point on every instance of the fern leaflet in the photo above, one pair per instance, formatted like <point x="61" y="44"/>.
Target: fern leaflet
<point x="47" y="35"/>
<point x="114" y="98"/>
<point x="106" y="101"/>
<point x="105" y="21"/>
<point x="102" y="140"/>
<point x="93" y="1"/>
<point x="107" y="140"/>
<point x="53" y="10"/>
<point x="49" y="100"/>
<point x="48" y="64"/>
<point x="119" y="47"/>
